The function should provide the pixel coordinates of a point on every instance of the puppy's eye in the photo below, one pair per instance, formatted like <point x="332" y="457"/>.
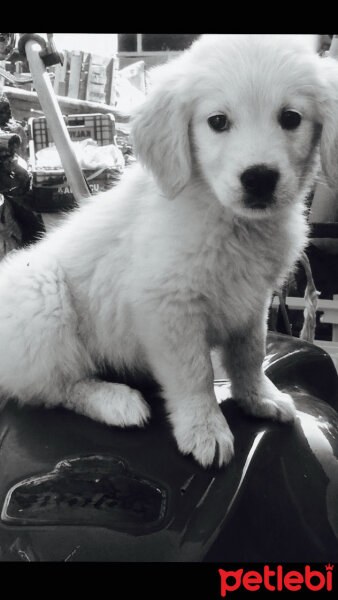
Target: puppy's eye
<point x="290" y="119"/>
<point x="218" y="122"/>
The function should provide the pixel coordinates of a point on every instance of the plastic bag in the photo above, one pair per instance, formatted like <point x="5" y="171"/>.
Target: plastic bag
<point x="90" y="155"/>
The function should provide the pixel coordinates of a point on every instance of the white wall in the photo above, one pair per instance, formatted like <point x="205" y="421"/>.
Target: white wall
<point x="104" y="44"/>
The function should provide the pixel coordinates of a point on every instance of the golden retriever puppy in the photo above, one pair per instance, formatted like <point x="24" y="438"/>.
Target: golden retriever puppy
<point x="184" y="254"/>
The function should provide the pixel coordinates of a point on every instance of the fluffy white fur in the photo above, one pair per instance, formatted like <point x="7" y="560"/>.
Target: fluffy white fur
<point x="171" y="263"/>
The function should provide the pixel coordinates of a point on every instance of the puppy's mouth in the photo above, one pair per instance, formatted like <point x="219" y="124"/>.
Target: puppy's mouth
<point x="261" y="203"/>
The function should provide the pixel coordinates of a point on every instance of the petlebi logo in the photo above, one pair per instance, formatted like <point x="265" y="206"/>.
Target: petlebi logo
<point x="277" y="579"/>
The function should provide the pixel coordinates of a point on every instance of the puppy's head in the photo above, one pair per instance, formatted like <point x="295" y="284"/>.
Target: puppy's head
<point x="246" y="114"/>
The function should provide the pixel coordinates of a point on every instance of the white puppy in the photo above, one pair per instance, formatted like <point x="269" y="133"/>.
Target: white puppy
<point x="184" y="255"/>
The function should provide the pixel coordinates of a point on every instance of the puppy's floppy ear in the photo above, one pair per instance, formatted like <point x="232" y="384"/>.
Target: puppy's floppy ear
<point x="160" y="136"/>
<point x="329" y="110"/>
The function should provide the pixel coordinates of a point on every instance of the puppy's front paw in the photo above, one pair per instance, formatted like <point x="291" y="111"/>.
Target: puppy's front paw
<point x="207" y="440"/>
<point x="272" y="404"/>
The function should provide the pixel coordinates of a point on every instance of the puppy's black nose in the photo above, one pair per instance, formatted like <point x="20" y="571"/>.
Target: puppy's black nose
<point x="259" y="180"/>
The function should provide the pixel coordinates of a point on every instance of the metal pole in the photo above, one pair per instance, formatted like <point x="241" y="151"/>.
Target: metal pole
<point x="56" y="122"/>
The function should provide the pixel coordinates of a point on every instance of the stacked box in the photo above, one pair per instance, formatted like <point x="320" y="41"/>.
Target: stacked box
<point x="86" y="76"/>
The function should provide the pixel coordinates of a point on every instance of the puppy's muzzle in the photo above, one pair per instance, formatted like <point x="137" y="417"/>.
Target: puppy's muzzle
<point x="259" y="183"/>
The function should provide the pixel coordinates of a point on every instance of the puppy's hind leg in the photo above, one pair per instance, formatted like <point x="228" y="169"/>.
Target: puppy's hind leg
<point x="43" y="359"/>
<point x="110" y="403"/>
